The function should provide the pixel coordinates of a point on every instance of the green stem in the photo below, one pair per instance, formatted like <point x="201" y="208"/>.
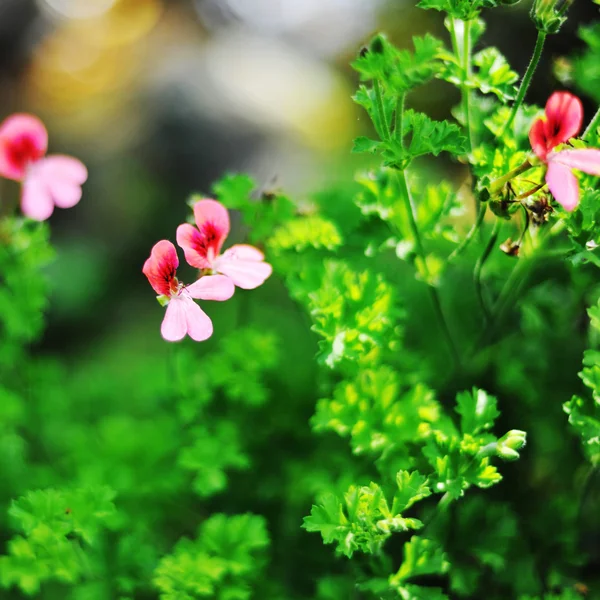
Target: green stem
<point x="433" y="293"/>
<point x="474" y="229"/>
<point x="533" y="63"/>
<point x="479" y="268"/>
<point x="593" y="126"/>
<point x="467" y="74"/>
<point x="499" y="183"/>
<point x="381" y="111"/>
<point x="399" y="125"/>
<point x="513" y="284"/>
<point x="441" y="508"/>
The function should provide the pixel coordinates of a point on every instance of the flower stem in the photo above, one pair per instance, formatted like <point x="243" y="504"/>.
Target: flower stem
<point x="399" y="125"/>
<point x="499" y="183"/>
<point x="385" y="130"/>
<point x="533" y="63"/>
<point x="474" y="229"/>
<point x="593" y="126"/>
<point x="479" y="268"/>
<point x="464" y="86"/>
<point x="433" y="293"/>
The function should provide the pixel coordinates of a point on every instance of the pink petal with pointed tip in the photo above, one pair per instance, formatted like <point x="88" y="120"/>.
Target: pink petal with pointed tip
<point x="174" y="325"/>
<point x="212" y="220"/>
<point x="563" y="185"/>
<point x="212" y="287"/>
<point x="161" y="267"/>
<point x="36" y="200"/>
<point x="586" y="160"/>
<point x="565" y="116"/>
<point x="23" y="140"/>
<point x="190" y="240"/>
<point x="199" y="325"/>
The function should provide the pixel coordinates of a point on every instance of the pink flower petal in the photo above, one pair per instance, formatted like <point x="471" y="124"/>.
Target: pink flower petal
<point x="212" y="220"/>
<point x="23" y="140"/>
<point x="244" y="265"/>
<point x="191" y="241"/>
<point x="537" y="138"/>
<point x="212" y="287"/>
<point x="586" y="160"/>
<point x="199" y="325"/>
<point x="36" y="200"/>
<point x="174" y="325"/>
<point x="67" y="168"/>
<point x="563" y="185"/>
<point x="161" y="267"/>
<point x="565" y="116"/>
<point x="244" y="252"/>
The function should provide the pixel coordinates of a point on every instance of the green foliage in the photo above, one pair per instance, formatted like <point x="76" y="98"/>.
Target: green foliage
<point x="400" y="70"/>
<point x="584" y="413"/>
<point x="419" y="490"/>
<point x="24" y="252"/>
<point x="460" y="9"/>
<point x="58" y="530"/>
<point x="222" y="562"/>
<point x="363" y="520"/>
<point x="212" y="453"/>
<point x="354" y="313"/>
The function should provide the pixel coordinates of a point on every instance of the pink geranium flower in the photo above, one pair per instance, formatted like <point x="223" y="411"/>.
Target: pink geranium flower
<point x="564" y="116"/>
<point x="243" y="264"/>
<point x="183" y="315"/>
<point x="47" y="181"/>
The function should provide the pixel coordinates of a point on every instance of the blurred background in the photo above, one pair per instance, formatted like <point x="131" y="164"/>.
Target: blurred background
<point x="161" y="97"/>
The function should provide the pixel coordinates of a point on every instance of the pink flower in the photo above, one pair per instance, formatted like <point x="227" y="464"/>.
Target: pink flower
<point x="564" y="116"/>
<point x="183" y="315"/>
<point x="47" y="182"/>
<point x="243" y="264"/>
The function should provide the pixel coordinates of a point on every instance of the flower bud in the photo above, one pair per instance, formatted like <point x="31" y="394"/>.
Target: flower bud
<point x="548" y="16"/>
<point x="510" y="443"/>
<point x="377" y="45"/>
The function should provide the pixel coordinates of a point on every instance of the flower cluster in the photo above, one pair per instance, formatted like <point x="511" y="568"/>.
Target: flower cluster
<point x="563" y="120"/>
<point x="47" y="181"/>
<point x="241" y="265"/>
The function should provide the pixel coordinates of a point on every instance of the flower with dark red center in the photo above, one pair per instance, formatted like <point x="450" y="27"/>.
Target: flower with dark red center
<point x="563" y="119"/>
<point x="242" y="263"/>
<point x="183" y="315"/>
<point x="47" y="182"/>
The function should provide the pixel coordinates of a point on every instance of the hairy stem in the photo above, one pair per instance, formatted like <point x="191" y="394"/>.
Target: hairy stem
<point x="533" y="63"/>
<point x="593" y="126"/>
<point x="479" y="268"/>
<point x="433" y="293"/>
<point x="381" y="111"/>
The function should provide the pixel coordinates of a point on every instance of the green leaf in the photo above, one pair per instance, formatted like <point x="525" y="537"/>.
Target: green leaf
<point x="364" y="144"/>
<point x="328" y="519"/>
<point x="465" y="10"/>
<point x="213" y="453"/>
<point x="421" y="557"/>
<point x="224" y="561"/>
<point x="494" y="75"/>
<point x="477" y="410"/>
<point x="400" y="70"/>
<point x="363" y="522"/>
<point x="426" y="136"/>
<point x="412" y="487"/>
